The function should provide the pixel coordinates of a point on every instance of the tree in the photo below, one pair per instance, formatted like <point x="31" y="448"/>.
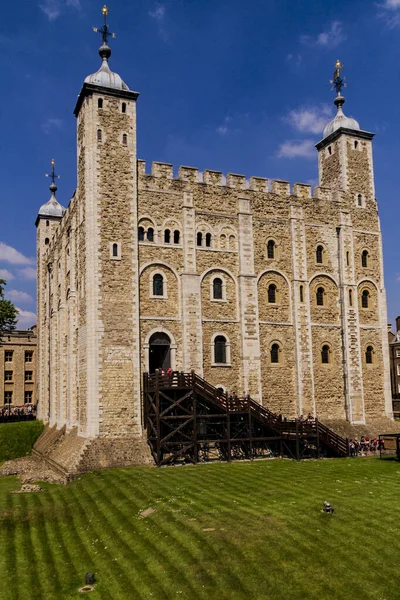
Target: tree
<point x="8" y="312"/>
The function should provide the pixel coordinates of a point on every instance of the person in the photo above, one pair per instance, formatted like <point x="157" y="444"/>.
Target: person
<point x="351" y="448"/>
<point x="300" y="419"/>
<point x="367" y="445"/>
<point x="375" y="444"/>
<point x="362" y="446"/>
<point x="382" y="444"/>
<point x="356" y="447"/>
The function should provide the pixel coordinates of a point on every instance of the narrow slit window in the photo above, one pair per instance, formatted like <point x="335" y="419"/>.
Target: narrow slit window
<point x="359" y="200"/>
<point x="220" y="349"/>
<point x="301" y="294"/>
<point x="124" y="107"/>
<point x="320" y="296"/>
<point x="365" y="299"/>
<point x="208" y="240"/>
<point x="141" y="234"/>
<point x="167" y="236"/>
<point x="158" y="285"/>
<point x="47" y="241"/>
<point x="369" y="353"/>
<point x="115" y="250"/>
<point x="217" y="289"/>
<point x="199" y="238"/>
<point x="100" y="103"/>
<point x="319" y="255"/>
<point x="177" y="236"/>
<point x="271" y="249"/>
<point x="150" y="234"/>
<point x="99" y="136"/>
<point x="272" y="293"/>
<point x="348" y="258"/>
<point x="275" y="353"/>
<point x="364" y="259"/>
<point x="350" y="298"/>
<point x="325" y="355"/>
<point x="356" y="145"/>
<point x="125" y="139"/>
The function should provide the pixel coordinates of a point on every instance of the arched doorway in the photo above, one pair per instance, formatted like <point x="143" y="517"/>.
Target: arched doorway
<point x="159" y="352"/>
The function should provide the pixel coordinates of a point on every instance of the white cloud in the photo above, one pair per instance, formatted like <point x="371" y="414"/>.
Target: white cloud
<point x="27" y="273"/>
<point x="311" y="119"/>
<point x="26" y="318"/>
<point x="390" y="12"/>
<point x="18" y="296"/>
<point x="391" y="4"/>
<point x="158" y="14"/>
<point x="294" y="59"/>
<point x="297" y="149"/>
<point x="50" y="124"/>
<point x="53" y="8"/>
<point x="223" y="129"/>
<point x="5" y="274"/>
<point x="11" y="255"/>
<point x="332" y="37"/>
<point x="398" y="277"/>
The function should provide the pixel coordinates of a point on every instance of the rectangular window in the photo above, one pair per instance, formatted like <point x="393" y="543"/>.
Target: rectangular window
<point x="398" y="369"/>
<point x="28" y="397"/>
<point x="28" y="355"/>
<point x="8" y="356"/>
<point x="398" y="387"/>
<point x="397" y="352"/>
<point x="8" y="397"/>
<point x="28" y="375"/>
<point x="8" y="375"/>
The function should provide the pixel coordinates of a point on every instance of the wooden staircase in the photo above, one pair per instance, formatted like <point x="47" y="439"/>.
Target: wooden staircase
<point x="189" y="419"/>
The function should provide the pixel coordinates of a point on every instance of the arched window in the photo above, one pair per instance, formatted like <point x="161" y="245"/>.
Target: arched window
<point x="350" y="298"/>
<point x="115" y="250"/>
<point x="369" y="355"/>
<point x="325" y="355"/>
<point x="150" y="234"/>
<point x="271" y="249"/>
<point x="217" y="288"/>
<point x="99" y="135"/>
<point x="47" y="223"/>
<point x="356" y="144"/>
<point x="272" y="293"/>
<point x="158" y="285"/>
<point x="275" y="353"/>
<point x="123" y="107"/>
<point x="141" y="234"/>
<point x="329" y="150"/>
<point x="320" y="296"/>
<point x="208" y="240"/>
<point x="359" y="200"/>
<point x="100" y="103"/>
<point x="47" y="241"/>
<point x="319" y="255"/>
<point x="199" y="238"/>
<point x="124" y="139"/>
<point x="220" y="349"/>
<point x="301" y="294"/>
<point x="364" y="259"/>
<point x="365" y="299"/>
<point x="167" y="236"/>
<point x="177" y="236"/>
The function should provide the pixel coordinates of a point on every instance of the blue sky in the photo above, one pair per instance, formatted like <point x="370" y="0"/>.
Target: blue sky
<point x="235" y="86"/>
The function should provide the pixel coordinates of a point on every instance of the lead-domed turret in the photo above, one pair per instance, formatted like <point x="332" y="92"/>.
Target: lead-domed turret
<point x="52" y="208"/>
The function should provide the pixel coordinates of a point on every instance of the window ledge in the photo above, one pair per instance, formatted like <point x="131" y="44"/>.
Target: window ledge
<point x="223" y="300"/>
<point x="221" y="365"/>
<point x="157" y="297"/>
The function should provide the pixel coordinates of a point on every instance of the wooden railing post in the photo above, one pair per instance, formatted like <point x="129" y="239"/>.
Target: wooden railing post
<point x="228" y="428"/>
<point x="317" y="432"/>
<point x="158" y="424"/>
<point x="297" y="441"/>
<point x="194" y="404"/>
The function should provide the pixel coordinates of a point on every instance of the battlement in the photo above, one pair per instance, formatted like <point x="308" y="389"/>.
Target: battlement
<point x="210" y="177"/>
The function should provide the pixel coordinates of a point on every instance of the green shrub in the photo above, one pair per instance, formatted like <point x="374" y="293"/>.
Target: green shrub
<point x="17" y="439"/>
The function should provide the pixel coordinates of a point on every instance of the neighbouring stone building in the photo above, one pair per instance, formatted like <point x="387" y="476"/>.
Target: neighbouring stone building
<point x="259" y="286"/>
<point x="394" y="354"/>
<point x="18" y="367"/>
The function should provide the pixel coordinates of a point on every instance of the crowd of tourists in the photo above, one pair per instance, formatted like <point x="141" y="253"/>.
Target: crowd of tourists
<point x="17" y="413"/>
<point x="365" y="446"/>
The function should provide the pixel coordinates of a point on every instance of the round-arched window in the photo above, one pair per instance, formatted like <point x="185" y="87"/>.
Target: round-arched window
<point x="274" y="353"/>
<point x="220" y="349"/>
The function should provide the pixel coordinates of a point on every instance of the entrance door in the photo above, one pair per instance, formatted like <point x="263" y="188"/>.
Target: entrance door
<point x="159" y="352"/>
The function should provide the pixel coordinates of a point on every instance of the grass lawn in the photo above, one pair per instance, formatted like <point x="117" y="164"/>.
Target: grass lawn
<point x="269" y="538"/>
<point x="17" y="439"/>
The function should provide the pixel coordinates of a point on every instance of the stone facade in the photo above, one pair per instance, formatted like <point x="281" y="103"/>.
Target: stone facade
<point x="18" y="382"/>
<point x="258" y="286"/>
<point x="394" y="357"/>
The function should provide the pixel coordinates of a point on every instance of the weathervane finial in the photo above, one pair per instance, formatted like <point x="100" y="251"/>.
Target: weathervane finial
<point x="338" y="82"/>
<point x="105" y="30"/>
<point x="53" y="176"/>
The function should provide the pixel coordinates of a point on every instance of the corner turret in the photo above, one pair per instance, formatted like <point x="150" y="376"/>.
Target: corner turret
<point x="52" y="209"/>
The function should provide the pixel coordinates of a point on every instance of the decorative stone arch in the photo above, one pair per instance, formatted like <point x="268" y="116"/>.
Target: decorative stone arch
<point x="322" y="274"/>
<point x="366" y="353"/>
<point x="276" y="247"/>
<point x="146" y="345"/>
<point x="226" y="273"/>
<point x="320" y="250"/>
<point x="148" y="222"/>
<point x="172" y="225"/>
<point x="321" y="284"/>
<point x="204" y="228"/>
<point x="155" y="267"/>
<point x="222" y="277"/>
<point x="152" y="273"/>
<point x="227" y="363"/>
<point x="274" y="280"/>
<point x="227" y="238"/>
<point x="326" y="344"/>
<point x="280" y="353"/>
<point x="222" y="387"/>
<point x="373" y="290"/>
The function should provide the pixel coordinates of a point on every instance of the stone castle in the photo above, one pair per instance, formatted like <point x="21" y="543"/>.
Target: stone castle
<point x="260" y="287"/>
